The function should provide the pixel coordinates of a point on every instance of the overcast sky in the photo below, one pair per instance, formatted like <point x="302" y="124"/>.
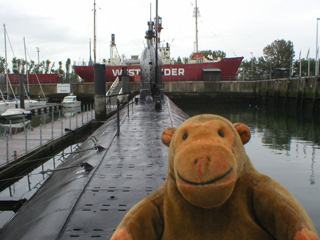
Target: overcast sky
<point x="61" y="29"/>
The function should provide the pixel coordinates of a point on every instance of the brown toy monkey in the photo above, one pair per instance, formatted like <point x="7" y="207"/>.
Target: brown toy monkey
<point x="213" y="191"/>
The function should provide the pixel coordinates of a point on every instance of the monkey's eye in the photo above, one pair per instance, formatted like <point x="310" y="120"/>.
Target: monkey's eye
<point x="185" y="136"/>
<point x="221" y="134"/>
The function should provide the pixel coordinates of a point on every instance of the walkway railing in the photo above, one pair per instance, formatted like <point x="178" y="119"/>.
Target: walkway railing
<point x="31" y="138"/>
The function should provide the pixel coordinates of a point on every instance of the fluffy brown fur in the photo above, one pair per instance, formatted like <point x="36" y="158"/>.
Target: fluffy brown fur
<point x="213" y="191"/>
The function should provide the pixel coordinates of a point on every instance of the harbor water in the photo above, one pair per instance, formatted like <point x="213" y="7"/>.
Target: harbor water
<point x="284" y="145"/>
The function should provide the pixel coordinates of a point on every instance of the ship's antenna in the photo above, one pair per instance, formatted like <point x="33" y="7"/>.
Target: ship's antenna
<point x="196" y="13"/>
<point x="157" y="27"/>
<point x="150" y="12"/>
<point x="94" y="33"/>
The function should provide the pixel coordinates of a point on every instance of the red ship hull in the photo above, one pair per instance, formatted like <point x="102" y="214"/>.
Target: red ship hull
<point x="33" y="78"/>
<point x="227" y="69"/>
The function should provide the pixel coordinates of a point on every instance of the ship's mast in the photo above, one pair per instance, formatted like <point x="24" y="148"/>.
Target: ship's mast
<point x="25" y="55"/>
<point x="90" y="59"/>
<point x="94" y="33"/>
<point x="196" y="12"/>
<point x="6" y="64"/>
<point x="157" y="27"/>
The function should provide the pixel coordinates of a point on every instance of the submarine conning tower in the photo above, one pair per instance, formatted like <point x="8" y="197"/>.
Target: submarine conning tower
<point x="151" y="76"/>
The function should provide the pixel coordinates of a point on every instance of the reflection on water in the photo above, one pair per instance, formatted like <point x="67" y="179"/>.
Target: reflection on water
<point x="71" y="112"/>
<point x="28" y="185"/>
<point x="284" y="146"/>
<point x="14" y="126"/>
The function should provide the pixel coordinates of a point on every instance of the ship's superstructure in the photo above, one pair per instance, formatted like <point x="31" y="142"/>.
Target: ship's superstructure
<point x="198" y="68"/>
<point x="150" y="66"/>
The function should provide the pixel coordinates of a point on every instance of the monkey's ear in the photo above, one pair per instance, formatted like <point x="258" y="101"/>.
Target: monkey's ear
<point x="243" y="131"/>
<point x="167" y="135"/>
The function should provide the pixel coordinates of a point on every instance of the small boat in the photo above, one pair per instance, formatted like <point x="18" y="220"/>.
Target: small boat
<point x="15" y="113"/>
<point x="71" y="101"/>
<point x="4" y="105"/>
<point x="35" y="103"/>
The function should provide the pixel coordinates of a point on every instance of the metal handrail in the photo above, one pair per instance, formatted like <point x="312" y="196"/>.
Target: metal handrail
<point x="113" y="86"/>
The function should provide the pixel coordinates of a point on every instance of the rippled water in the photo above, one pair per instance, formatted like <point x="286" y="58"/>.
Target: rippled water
<point x="284" y="146"/>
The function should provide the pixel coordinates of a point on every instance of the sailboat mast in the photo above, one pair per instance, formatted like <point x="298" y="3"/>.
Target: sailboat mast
<point x="196" y="16"/>
<point x="6" y="57"/>
<point x="94" y="34"/>
<point x="25" y="55"/>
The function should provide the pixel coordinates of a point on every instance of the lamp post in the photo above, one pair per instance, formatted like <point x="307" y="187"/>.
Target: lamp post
<point x="317" y="50"/>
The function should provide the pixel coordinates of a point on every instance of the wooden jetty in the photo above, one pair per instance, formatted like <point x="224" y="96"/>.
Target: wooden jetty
<point x="81" y="202"/>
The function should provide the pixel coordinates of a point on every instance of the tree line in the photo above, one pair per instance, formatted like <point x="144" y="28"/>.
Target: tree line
<point x="21" y="66"/>
<point x="278" y="60"/>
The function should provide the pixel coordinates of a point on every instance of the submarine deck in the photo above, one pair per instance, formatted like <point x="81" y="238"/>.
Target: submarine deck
<point x="75" y="204"/>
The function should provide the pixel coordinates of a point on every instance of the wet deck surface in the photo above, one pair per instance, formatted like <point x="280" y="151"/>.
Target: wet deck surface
<point x="77" y="205"/>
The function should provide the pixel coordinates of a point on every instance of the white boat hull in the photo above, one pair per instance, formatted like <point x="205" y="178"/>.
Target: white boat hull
<point x="71" y="104"/>
<point x="15" y="113"/>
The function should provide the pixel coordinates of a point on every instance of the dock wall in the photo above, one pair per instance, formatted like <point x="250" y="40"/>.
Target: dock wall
<point x="300" y="93"/>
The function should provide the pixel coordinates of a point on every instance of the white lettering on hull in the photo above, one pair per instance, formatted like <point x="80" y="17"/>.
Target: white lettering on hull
<point x="131" y="72"/>
<point x="166" y="72"/>
<point x="173" y="72"/>
<point x="116" y="72"/>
